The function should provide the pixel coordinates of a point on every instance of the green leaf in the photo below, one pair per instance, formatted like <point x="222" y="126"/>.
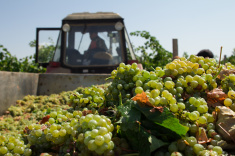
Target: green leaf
<point x="165" y="119"/>
<point x="156" y="143"/>
<point x="139" y="141"/>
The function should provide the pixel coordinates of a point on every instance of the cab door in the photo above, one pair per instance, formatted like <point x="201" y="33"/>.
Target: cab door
<point x="46" y="42"/>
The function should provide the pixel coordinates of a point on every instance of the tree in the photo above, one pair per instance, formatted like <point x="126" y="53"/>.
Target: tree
<point x="9" y="62"/>
<point x="152" y="53"/>
<point x="185" y="54"/>
<point x="46" y="51"/>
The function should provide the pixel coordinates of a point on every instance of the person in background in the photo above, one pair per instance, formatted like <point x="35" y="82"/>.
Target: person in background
<point x="205" y="53"/>
<point x="97" y="45"/>
<point x="97" y="42"/>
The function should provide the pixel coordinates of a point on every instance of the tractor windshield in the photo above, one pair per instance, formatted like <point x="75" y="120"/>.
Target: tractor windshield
<point x="93" y="45"/>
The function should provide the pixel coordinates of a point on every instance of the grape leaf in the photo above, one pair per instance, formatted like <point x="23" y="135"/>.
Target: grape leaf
<point x="156" y="143"/>
<point x="165" y="119"/>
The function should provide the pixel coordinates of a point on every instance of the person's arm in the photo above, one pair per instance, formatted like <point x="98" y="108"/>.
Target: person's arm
<point x="101" y="44"/>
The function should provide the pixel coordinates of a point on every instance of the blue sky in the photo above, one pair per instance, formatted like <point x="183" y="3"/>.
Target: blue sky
<point x="201" y="24"/>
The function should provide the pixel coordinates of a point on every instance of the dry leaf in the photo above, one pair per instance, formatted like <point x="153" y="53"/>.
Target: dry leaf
<point x="84" y="113"/>
<point x="202" y="137"/>
<point x="44" y="119"/>
<point x="216" y="97"/>
<point x="160" y="109"/>
<point x="225" y="72"/>
<point x="142" y="98"/>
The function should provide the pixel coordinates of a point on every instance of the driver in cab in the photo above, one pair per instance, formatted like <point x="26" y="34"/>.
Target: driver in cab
<point x="97" y="45"/>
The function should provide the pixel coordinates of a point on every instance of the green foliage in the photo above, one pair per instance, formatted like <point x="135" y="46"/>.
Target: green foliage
<point x="11" y="63"/>
<point x="230" y="59"/>
<point x="152" y="53"/>
<point x="185" y="54"/>
<point x="45" y="52"/>
<point x="148" y="130"/>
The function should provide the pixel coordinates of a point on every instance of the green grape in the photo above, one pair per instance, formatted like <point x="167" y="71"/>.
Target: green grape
<point x="134" y="65"/>
<point x="92" y="124"/>
<point x="51" y="120"/>
<point x="210" y="147"/>
<point x="164" y="93"/>
<point x="174" y="108"/>
<point x="92" y="145"/>
<point x="173" y="147"/>
<point x="172" y="101"/>
<point x="103" y="130"/>
<point x="53" y="114"/>
<point x="146" y="74"/>
<point x="104" y="147"/>
<point x="217" y="137"/>
<point x="228" y="102"/>
<point x="168" y="96"/>
<point x="176" y="154"/>
<point x="38" y="132"/>
<point x="81" y="137"/>
<point x="231" y="94"/>
<point x="202" y="120"/>
<point x="181" y="145"/>
<point x="55" y="133"/>
<point x="205" y="66"/>
<point x="172" y="66"/>
<point x="169" y="84"/>
<point x="163" y="101"/>
<point x="201" y="81"/>
<point x="202" y="109"/>
<point x="218" y="149"/>
<point x="181" y="105"/>
<point x="139" y="83"/>
<point x="167" y="79"/>
<point x="102" y="123"/>
<point x="232" y="107"/>
<point x="210" y="126"/>
<point x="159" y="86"/>
<point x="10" y="145"/>
<point x="197" y="148"/>
<point x="157" y="101"/>
<point x="193" y="129"/>
<point x="232" y="77"/>
<point x="179" y="90"/>
<point x="27" y="152"/>
<point x="53" y="127"/>
<point x="192" y="100"/>
<point x="214" y="142"/>
<point x="62" y="132"/>
<point x="210" y="132"/>
<point x="3" y="150"/>
<point x="209" y="77"/>
<point x="138" y="90"/>
<point x="197" y="103"/>
<point x="175" y="72"/>
<point x="193" y="116"/>
<point x="200" y="71"/>
<point x="99" y="140"/>
<point x="155" y="93"/>
<point x="191" y="140"/>
<point x="193" y="84"/>
<point x="180" y="71"/>
<point x="188" y="78"/>
<point x="210" y="118"/>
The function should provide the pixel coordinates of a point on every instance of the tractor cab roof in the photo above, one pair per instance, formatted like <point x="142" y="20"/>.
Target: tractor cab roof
<point x="91" y="16"/>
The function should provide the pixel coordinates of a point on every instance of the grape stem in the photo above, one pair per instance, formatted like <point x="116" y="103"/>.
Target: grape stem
<point x="153" y="68"/>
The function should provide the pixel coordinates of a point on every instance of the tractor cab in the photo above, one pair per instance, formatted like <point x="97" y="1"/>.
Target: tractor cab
<point x="86" y="43"/>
